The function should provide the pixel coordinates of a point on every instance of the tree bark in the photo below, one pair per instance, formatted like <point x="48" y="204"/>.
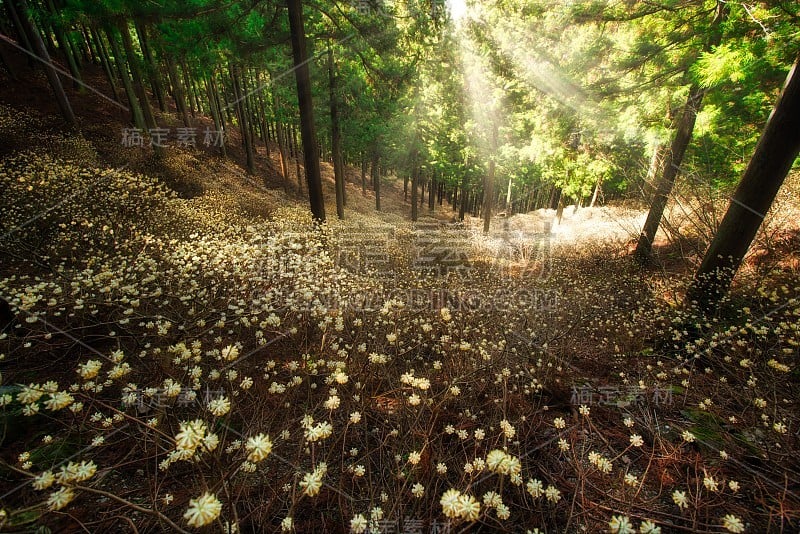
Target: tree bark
<point x="680" y="143"/>
<point x="136" y="76"/>
<point x="336" y="137"/>
<point x="64" y="45"/>
<point x="35" y="39"/>
<point x="376" y="179"/>
<point x="364" y="165"/>
<point x="133" y="102"/>
<point x="102" y="52"/>
<point x="487" y="197"/>
<point x="775" y="153"/>
<point x="313" y="177"/>
<point x="414" y="186"/>
<point x="241" y="112"/>
<point x="178" y="93"/>
<point x="153" y="73"/>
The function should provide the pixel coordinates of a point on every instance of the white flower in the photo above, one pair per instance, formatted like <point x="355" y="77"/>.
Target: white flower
<point x="535" y="488"/>
<point x="259" y="447"/>
<point x="58" y="401"/>
<point x="44" y="480"/>
<point x="636" y="440"/>
<point x="332" y="403"/>
<point x="230" y="353"/>
<point x="628" y="422"/>
<point x="60" y="498"/>
<point x="449" y="502"/>
<point x="559" y="423"/>
<point x="219" y="406"/>
<point x="732" y="524"/>
<point x="441" y="468"/>
<point x="90" y="369"/>
<point x="679" y="498"/>
<point x="508" y="429"/>
<point x="502" y="512"/>
<point x="620" y="524"/>
<point x="190" y="436"/>
<point x="648" y="527"/>
<point x="202" y="510"/>
<point x="552" y="494"/>
<point x="584" y="410"/>
<point x="468" y="507"/>
<point x="287" y="524"/>
<point x="414" y="457"/>
<point x="418" y="490"/>
<point x="355" y="417"/>
<point x="358" y="524"/>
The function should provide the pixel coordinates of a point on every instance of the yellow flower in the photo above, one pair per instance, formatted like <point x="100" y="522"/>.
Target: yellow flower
<point x="202" y="510"/>
<point x="259" y="446"/>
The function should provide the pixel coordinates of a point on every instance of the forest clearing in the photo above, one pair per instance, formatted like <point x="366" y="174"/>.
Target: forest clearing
<point x="399" y="267"/>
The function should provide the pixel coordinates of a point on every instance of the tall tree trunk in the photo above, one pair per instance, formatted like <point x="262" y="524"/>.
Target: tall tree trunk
<point x="432" y="193"/>
<point x="153" y="73"/>
<point x="313" y="177"/>
<point x="487" y="197"/>
<point x="22" y="14"/>
<point x="282" y="153"/>
<point x="336" y="137"/>
<point x="23" y="32"/>
<point x="216" y="114"/>
<point x="241" y="112"/>
<point x="674" y="158"/>
<point x="136" y="77"/>
<point x="295" y="144"/>
<point x="102" y="52"/>
<point x="462" y="198"/>
<point x="508" y="197"/>
<point x="178" y="93"/>
<point x="133" y="102"/>
<point x="364" y="165"/>
<point x="414" y="186"/>
<point x="64" y="46"/>
<point x="672" y="165"/>
<point x="776" y="151"/>
<point x="596" y="193"/>
<point x="376" y="179"/>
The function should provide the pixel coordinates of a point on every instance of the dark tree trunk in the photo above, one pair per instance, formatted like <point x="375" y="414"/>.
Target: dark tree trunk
<point x="178" y="93"/>
<point x="102" y="52"/>
<point x="64" y="46"/>
<point x="364" y="166"/>
<point x="462" y="199"/>
<point x="487" y="197"/>
<point x="136" y="77"/>
<point x="376" y="179"/>
<point x="153" y="72"/>
<point x="665" y="184"/>
<point x="336" y="138"/>
<point x="23" y="32"/>
<point x="241" y="112"/>
<point x="414" y="187"/>
<point x="26" y="23"/>
<point x="133" y="102"/>
<point x="674" y="158"/>
<point x="775" y="153"/>
<point x="313" y="177"/>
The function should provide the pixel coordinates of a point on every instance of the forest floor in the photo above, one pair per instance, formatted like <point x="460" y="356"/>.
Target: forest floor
<point x="169" y="313"/>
